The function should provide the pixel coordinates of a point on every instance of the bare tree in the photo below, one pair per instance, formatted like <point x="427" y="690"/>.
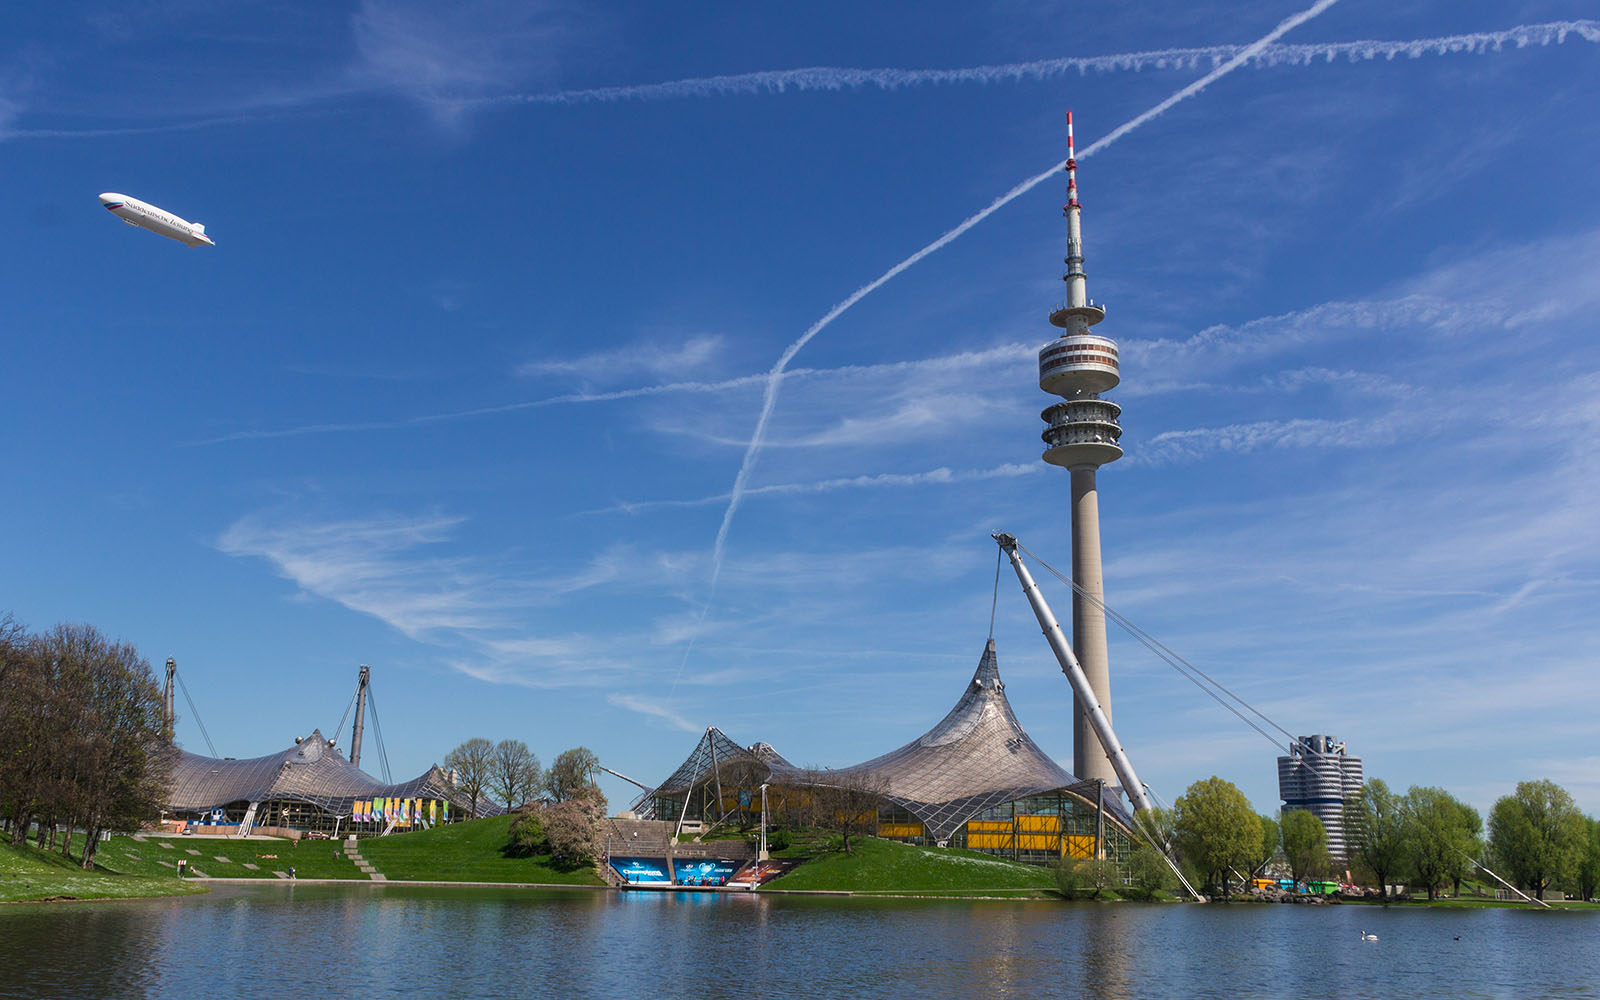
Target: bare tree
<point x="741" y="783"/>
<point x="514" y="772"/>
<point x="844" y="802"/>
<point x="471" y="761"/>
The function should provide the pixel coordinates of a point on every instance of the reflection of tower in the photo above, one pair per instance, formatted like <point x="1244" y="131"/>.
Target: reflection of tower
<point x="1082" y="436"/>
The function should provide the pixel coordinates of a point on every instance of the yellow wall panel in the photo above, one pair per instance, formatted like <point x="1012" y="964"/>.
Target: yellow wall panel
<point x="1042" y="824"/>
<point x="988" y="825"/>
<point x="1078" y="847"/>
<point x="899" y="829"/>
<point x="992" y="841"/>
<point x="1038" y="841"/>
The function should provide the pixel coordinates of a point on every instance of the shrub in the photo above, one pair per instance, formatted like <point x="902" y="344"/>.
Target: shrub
<point x="527" y="834"/>
<point x="1086" y="877"/>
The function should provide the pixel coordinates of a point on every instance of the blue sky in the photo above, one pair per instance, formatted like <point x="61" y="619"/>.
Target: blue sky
<point x="465" y="387"/>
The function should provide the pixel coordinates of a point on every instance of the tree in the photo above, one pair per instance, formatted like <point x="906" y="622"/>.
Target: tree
<point x="573" y="827"/>
<point x="1441" y="836"/>
<point x="1305" y="844"/>
<point x="572" y="774"/>
<point x="1148" y="872"/>
<point x="1216" y="829"/>
<point x="1537" y="834"/>
<point x="1374" y="830"/>
<point x="844" y="802"/>
<point x="22" y="696"/>
<point x="514" y="772"/>
<point x="1589" y="863"/>
<point x="471" y="763"/>
<point x="1270" y="841"/>
<point x="82" y="732"/>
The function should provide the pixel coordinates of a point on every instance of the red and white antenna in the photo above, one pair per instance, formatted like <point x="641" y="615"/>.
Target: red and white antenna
<point x="1077" y="293"/>
<point x="1072" y="168"/>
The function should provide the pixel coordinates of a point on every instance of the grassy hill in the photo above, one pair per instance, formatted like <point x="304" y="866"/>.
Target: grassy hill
<point x="466" y="852"/>
<point x="223" y="857"/>
<point x="460" y="852"/>
<point x="30" y="874"/>
<point x="889" y="867"/>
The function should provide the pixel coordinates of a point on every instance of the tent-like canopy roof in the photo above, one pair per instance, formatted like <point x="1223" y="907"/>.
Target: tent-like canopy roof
<point x="978" y="756"/>
<point x="312" y="771"/>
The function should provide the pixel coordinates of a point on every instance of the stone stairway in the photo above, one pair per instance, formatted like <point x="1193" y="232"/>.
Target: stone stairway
<point x="362" y="863"/>
<point x="638" y="837"/>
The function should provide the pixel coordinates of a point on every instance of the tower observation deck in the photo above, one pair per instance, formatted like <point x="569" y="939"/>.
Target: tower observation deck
<point x="1080" y="435"/>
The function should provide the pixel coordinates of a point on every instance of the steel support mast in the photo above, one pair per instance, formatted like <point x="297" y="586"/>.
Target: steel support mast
<point x="362" y="680"/>
<point x="1075" y="675"/>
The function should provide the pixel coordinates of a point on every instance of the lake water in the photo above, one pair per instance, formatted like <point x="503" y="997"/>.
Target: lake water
<point x="319" y="941"/>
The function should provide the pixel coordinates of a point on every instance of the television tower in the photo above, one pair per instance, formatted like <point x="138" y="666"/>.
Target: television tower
<point x="1081" y="436"/>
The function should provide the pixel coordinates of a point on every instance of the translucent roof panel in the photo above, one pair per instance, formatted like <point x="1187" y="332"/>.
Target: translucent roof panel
<point x="978" y="756"/>
<point x="311" y="771"/>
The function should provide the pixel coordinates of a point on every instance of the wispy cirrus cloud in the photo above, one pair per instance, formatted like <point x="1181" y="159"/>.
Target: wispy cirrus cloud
<point x="392" y="568"/>
<point x="369" y="566"/>
<point x="1193" y="444"/>
<point x="959" y="361"/>
<point x="692" y="355"/>
<point x="942" y="476"/>
<point x="437" y="54"/>
<point x="653" y="708"/>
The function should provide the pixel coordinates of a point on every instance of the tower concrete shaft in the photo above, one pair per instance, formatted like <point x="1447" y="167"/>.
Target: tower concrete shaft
<point x="1081" y="435"/>
<point x="1089" y="760"/>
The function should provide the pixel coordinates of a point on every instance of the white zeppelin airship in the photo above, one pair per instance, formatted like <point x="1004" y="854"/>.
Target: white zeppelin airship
<point x="146" y="216"/>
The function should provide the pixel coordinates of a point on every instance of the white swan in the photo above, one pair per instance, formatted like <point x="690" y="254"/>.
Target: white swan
<point x="1368" y="937"/>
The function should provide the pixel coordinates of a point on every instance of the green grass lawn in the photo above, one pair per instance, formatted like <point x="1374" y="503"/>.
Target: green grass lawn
<point x="30" y="874"/>
<point x="885" y="866"/>
<point x="466" y="852"/>
<point x="310" y="859"/>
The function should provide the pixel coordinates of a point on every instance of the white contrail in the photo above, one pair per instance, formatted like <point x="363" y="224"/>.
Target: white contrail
<point x="827" y="78"/>
<point x="775" y="380"/>
<point x="834" y="78"/>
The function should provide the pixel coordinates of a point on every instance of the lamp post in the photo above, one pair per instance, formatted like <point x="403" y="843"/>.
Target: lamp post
<point x="761" y="854"/>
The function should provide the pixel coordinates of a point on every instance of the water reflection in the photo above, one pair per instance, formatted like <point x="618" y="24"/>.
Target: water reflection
<point x="381" y="941"/>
